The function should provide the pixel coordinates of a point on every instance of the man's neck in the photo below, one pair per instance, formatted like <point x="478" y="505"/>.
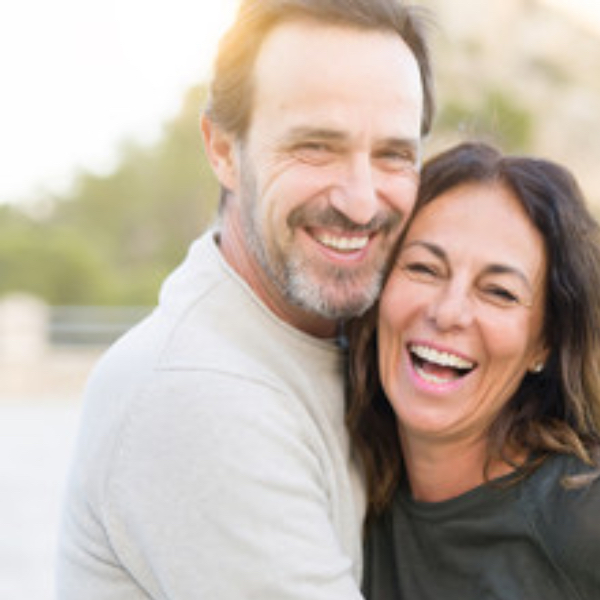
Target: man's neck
<point x="235" y="252"/>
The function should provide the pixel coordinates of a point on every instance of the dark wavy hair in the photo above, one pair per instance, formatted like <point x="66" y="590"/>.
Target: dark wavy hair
<point x="555" y="411"/>
<point x="230" y="92"/>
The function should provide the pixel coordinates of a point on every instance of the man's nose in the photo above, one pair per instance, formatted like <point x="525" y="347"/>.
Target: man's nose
<point x="355" y="194"/>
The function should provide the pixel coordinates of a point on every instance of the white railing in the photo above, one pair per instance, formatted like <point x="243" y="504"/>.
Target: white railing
<point x="47" y="352"/>
<point x="91" y="325"/>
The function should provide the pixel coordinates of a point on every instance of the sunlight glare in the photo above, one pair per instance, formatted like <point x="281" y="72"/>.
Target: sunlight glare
<point x="81" y="76"/>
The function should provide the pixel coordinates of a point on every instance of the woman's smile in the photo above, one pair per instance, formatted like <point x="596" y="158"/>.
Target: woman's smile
<point x="458" y="328"/>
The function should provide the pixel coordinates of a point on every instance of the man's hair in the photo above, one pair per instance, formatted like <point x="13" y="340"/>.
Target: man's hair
<point x="231" y="91"/>
<point x="554" y="411"/>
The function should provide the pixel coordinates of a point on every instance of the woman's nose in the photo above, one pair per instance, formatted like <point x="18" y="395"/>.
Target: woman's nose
<point x="452" y="307"/>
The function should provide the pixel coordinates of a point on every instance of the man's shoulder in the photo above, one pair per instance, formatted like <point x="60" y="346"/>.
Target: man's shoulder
<point x="220" y="341"/>
<point x="199" y="304"/>
<point x="211" y="341"/>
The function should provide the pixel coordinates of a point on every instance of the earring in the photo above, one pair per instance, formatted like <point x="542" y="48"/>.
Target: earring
<point x="537" y="368"/>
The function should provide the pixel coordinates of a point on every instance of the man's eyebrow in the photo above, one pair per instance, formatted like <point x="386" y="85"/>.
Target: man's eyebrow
<point x="397" y="144"/>
<point x="303" y="133"/>
<point x="323" y="133"/>
<point x="402" y="142"/>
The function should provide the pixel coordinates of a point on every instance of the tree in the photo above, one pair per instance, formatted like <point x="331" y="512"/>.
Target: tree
<point x="112" y="239"/>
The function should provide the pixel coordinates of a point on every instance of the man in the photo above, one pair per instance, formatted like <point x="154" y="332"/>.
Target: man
<point x="213" y="461"/>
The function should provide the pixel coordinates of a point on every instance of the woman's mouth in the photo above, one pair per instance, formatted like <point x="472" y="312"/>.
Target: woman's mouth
<point x="438" y="367"/>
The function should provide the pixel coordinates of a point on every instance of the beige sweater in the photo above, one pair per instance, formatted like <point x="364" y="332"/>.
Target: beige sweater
<point x="212" y="460"/>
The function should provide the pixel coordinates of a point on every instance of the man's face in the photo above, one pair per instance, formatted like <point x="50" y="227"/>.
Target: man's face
<point x="328" y="169"/>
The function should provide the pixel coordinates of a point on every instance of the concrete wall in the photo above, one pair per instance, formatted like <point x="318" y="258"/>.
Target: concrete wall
<point x="30" y="367"/>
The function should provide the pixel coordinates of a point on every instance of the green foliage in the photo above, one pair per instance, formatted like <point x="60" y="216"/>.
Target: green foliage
<point x="496" y="117"/>
<point x="53" y="263"/>
<point x="555" y="73"/>
<point x="113" y="238"/>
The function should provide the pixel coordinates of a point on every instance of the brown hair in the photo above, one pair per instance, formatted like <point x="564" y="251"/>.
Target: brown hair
<point x="230" y="93"/>
<point x="554" y="411"/>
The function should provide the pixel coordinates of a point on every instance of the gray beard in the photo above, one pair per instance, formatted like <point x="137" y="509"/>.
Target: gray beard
<point x="291" y="275"/>
<point x="308" y="295"/>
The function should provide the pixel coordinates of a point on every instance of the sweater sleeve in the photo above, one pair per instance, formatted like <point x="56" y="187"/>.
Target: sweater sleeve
<point x="220" y="494"/>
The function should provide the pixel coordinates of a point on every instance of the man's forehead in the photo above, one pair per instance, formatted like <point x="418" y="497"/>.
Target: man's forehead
<point x="304" y="37"/>
<point x="333" y="82"/>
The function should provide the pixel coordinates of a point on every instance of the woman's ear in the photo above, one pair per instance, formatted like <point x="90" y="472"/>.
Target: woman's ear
<point x="537" y="365"/>
<point x="220" y="150"/>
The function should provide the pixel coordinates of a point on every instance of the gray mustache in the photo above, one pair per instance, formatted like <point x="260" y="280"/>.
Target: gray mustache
<point x="330" y="217"/>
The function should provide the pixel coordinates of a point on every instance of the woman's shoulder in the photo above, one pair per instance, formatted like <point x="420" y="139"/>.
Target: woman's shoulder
<point x="562" y="481"/>
<point x="562" y="504"/>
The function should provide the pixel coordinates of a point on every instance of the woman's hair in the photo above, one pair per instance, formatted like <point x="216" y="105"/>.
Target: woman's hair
<point x="554" y="411"/>
<point x="230" y="93"/>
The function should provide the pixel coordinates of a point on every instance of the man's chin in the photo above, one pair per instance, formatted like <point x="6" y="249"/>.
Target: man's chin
<point x="334" y="305"/>
<point x="331" y="293"/>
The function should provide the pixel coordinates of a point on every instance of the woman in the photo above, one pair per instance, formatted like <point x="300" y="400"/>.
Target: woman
<point x="475" y="389"/>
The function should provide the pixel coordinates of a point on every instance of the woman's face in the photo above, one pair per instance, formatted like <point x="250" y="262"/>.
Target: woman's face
<point x="461" y="315"/>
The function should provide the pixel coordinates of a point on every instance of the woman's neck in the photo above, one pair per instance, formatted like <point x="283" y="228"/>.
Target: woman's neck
<point x="440" y="471"/>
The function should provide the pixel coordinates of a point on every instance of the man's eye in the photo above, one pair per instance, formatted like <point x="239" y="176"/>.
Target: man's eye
<point x="314" y="152"/>
<point x="397" y="159"/>
<point x="317" y="146"/>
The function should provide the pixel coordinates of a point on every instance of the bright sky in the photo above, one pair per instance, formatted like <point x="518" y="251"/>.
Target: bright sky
<point x="80" y="76"/>
<point x="587" y="12"/>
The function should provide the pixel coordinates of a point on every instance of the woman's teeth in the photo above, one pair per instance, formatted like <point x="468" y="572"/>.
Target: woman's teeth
<point x="444" y="359"/>
<point x="438" y="367"/>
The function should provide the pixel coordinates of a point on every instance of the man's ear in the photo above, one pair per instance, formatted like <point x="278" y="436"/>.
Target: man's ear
<point x="220" y="150"/>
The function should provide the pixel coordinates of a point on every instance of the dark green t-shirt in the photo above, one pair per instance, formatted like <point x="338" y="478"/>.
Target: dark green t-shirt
<point x="534" y="540"/>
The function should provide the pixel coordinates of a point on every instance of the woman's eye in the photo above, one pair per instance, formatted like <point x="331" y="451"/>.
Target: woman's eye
<point x="502" y="296"/>
<point x="420" y="271"/>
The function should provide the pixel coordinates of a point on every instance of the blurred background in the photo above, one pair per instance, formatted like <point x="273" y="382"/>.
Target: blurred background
<point x="104" y="184"/>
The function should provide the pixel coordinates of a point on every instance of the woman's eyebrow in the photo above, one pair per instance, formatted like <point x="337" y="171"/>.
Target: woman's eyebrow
<point x="493" y="269"/>
<point x="433" y="248"/>
<point x="501" y="269"/>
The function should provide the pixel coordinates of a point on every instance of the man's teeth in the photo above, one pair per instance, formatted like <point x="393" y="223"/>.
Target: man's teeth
<point x="343" y="244"/>
<point x="443" y="359"/>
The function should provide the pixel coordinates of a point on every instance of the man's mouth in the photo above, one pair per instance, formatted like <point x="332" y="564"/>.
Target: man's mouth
<point x="438" y="367"/>
<point x="342" y="243"/>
